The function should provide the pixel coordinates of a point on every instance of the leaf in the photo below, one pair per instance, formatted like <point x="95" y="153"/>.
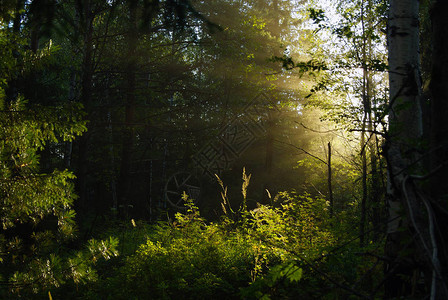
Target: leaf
<point x="295" y="274"/>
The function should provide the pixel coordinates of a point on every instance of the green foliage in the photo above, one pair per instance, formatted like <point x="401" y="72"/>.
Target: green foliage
<point x="37" y="219"/>
<point x="279" y="278"/>
<point x="303" y="67"/>
<point x="37" y="215"/>
<point x="248" y="254"/>
<point x="317" y="15"/>
<point x="185" y="259"/>
<point x="54" y="270"/>
<point x="271" y="252"/>
<point x="300" y="221"/>
<point x="26" y="194"/>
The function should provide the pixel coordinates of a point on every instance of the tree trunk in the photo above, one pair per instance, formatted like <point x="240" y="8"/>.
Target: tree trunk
<point x="366" y="103"/>
<point x="376" y="186"/>
<point x="86" y="22"/>
<point x="439" y="103"/>
<point x="128" y="137"/>
<point x="410" y="245"/>
<point x="268" y="180"/>
<point x="18" y="16"/>
<point x="329" y="179"/>
<point x="404" y="112"/>
<point x="362" y="225"/>
<point x="439" y="128"/>
<point x="268" y="158"/>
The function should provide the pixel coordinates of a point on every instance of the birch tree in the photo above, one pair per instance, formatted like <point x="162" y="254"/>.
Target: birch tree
<point x="416" y="231"/>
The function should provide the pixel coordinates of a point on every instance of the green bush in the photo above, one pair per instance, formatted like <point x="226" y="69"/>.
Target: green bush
<point x="248" y="254"/>
<point x="185" y="259"/>
<point x="281" y="251"/>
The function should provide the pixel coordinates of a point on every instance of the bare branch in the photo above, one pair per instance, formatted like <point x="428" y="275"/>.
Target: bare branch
<point x="303" y="150"/>
<point x="314" y="130"/>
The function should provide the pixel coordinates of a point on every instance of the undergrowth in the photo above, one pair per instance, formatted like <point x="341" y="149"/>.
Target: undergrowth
<point x="281" y="251"/>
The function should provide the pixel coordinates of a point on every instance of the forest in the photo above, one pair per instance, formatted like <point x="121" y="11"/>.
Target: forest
<point x="226" y="149"/>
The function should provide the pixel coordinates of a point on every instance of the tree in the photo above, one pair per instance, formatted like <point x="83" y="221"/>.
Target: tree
<point x="404" y="147"/>
<point x="438" y="167"/>
<point x="351" y="95"/>
<point x="36" y="200"/>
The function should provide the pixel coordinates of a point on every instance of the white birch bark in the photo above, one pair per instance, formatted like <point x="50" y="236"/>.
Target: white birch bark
<point x="405" y="120"/>
<point x="404" y="136"/>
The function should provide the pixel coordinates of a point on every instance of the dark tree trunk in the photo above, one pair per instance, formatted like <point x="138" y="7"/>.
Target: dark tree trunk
<point x="86" y="23"/>
<point x="268" y="181"/>
<point x="128" y="137"/>
<point x="362" y="225"/>
<point x="18" y="16"/>
<point x="12" y="89"/>
<point x="423" y="251"/>
<point x="330" y="183"/>
<point x="439" y="131"/>
<point x="404" y="132"/>
<point x="439" y="103"/>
